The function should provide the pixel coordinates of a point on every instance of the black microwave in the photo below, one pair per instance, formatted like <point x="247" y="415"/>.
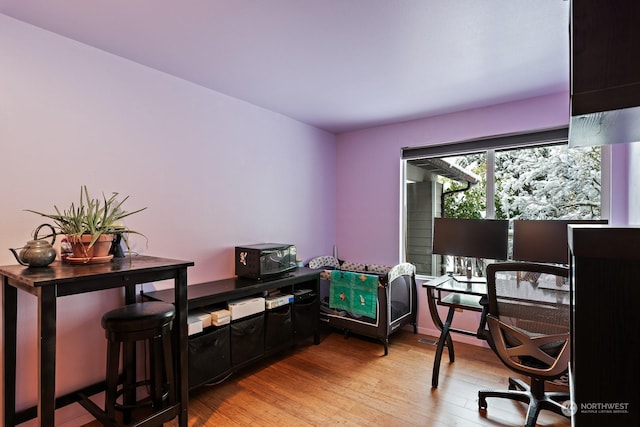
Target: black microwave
<point x="265" y="260"/>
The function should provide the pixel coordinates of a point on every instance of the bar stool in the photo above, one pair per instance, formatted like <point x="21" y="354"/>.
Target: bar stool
<point x="149" y="322"/>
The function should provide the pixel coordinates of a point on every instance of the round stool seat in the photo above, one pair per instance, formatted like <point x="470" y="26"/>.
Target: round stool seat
<point x="149" y="322"/>
<point x="138" y="317"/>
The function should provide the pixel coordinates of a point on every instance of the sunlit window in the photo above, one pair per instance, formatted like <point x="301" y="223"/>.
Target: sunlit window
<point x="550" y="181"/>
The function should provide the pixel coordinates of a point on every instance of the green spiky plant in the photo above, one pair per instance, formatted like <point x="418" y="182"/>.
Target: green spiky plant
<point x="92" y="216"/>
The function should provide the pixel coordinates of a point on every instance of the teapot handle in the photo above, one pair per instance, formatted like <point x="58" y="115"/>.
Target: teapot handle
<point x="53" y="233"/>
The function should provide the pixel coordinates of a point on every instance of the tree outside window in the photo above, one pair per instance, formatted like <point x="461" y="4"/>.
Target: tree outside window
<point x="551" y="182"/>
<point x="544" y="182"/>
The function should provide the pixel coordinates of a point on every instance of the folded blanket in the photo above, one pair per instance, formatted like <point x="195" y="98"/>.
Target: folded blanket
<point x="354" y="292"/>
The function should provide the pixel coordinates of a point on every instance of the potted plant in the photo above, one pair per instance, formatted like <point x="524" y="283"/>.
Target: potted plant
<point x="90" y="227"/>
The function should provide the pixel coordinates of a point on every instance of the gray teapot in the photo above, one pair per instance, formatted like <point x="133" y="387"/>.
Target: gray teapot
<point x="37" y="252"/>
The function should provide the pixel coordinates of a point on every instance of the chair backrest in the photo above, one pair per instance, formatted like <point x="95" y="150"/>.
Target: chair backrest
<point x="528" y="317"/>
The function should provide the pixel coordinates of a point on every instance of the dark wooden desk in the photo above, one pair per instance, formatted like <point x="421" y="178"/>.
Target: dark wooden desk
<point x="605" y="319"/>
<point x="58" y="280"/>
<point x="448" y="292"/>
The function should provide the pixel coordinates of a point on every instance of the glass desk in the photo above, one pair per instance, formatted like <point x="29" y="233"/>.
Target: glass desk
<point x="454" y="292"/>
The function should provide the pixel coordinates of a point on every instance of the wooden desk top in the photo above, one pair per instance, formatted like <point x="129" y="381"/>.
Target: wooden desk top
<point x="602" y="241"/>
<point x="61" y="274"/>
<point x="202" y="294"/>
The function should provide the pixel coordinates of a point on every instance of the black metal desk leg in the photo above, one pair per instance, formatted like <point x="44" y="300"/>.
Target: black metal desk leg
<point x="9" y="319"/>
<point x="445" y="336"/>
<point x="47" y="355"/>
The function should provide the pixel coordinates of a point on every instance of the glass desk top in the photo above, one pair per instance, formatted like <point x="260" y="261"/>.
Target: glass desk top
<point x="477" y="286"/>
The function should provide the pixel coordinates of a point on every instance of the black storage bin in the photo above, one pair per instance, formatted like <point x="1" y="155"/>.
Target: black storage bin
<point x="305" y="317"/>
<point x="209" y="356"/>
<point x="278" y="328"/>
<point x="247" y="339"/>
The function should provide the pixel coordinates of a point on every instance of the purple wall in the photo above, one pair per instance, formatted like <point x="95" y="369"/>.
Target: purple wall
<point x="368" y="167"/>
<point x="213" y="171"/>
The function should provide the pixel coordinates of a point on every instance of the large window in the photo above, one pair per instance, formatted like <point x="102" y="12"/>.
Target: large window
<point x="532" y="176"/>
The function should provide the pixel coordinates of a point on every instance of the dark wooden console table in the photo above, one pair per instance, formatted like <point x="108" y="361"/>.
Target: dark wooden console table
<point x="219" y="351"/>
<point x="204" y="294"/>
<point x="58" y="280"/>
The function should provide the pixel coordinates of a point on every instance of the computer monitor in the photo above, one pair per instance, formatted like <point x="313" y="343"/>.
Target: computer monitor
<point x="476" y="238"/>
<point x="544" y="240"/>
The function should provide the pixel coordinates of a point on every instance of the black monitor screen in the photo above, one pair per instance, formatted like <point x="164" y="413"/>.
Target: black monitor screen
<point x="478" y="238"/>
<point x="544" y="240"/>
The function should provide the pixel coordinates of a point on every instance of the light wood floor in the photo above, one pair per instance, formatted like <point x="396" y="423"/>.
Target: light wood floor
<point x="350" y="383"/>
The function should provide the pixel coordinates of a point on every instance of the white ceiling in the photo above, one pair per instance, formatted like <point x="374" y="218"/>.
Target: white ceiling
<point x="339" y="65"/>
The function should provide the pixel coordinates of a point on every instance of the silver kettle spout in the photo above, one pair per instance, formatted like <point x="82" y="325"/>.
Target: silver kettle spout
<point x="15" y="254"/>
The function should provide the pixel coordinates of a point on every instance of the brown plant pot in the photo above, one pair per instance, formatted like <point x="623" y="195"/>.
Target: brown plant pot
<point x="100" y="248"/>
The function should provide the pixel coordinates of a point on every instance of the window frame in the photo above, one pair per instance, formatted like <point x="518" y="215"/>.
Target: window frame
<point x="490" y="145"/>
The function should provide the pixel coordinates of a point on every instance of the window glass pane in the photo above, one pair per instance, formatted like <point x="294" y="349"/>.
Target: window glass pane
<point x="544" y="182"/>
<point x="451" y="187"/>
<point x="552" y="182"/>
<point x="461" y="199"/>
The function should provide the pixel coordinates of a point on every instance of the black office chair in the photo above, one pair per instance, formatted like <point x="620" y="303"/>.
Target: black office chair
<point x="527" y="316"/>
